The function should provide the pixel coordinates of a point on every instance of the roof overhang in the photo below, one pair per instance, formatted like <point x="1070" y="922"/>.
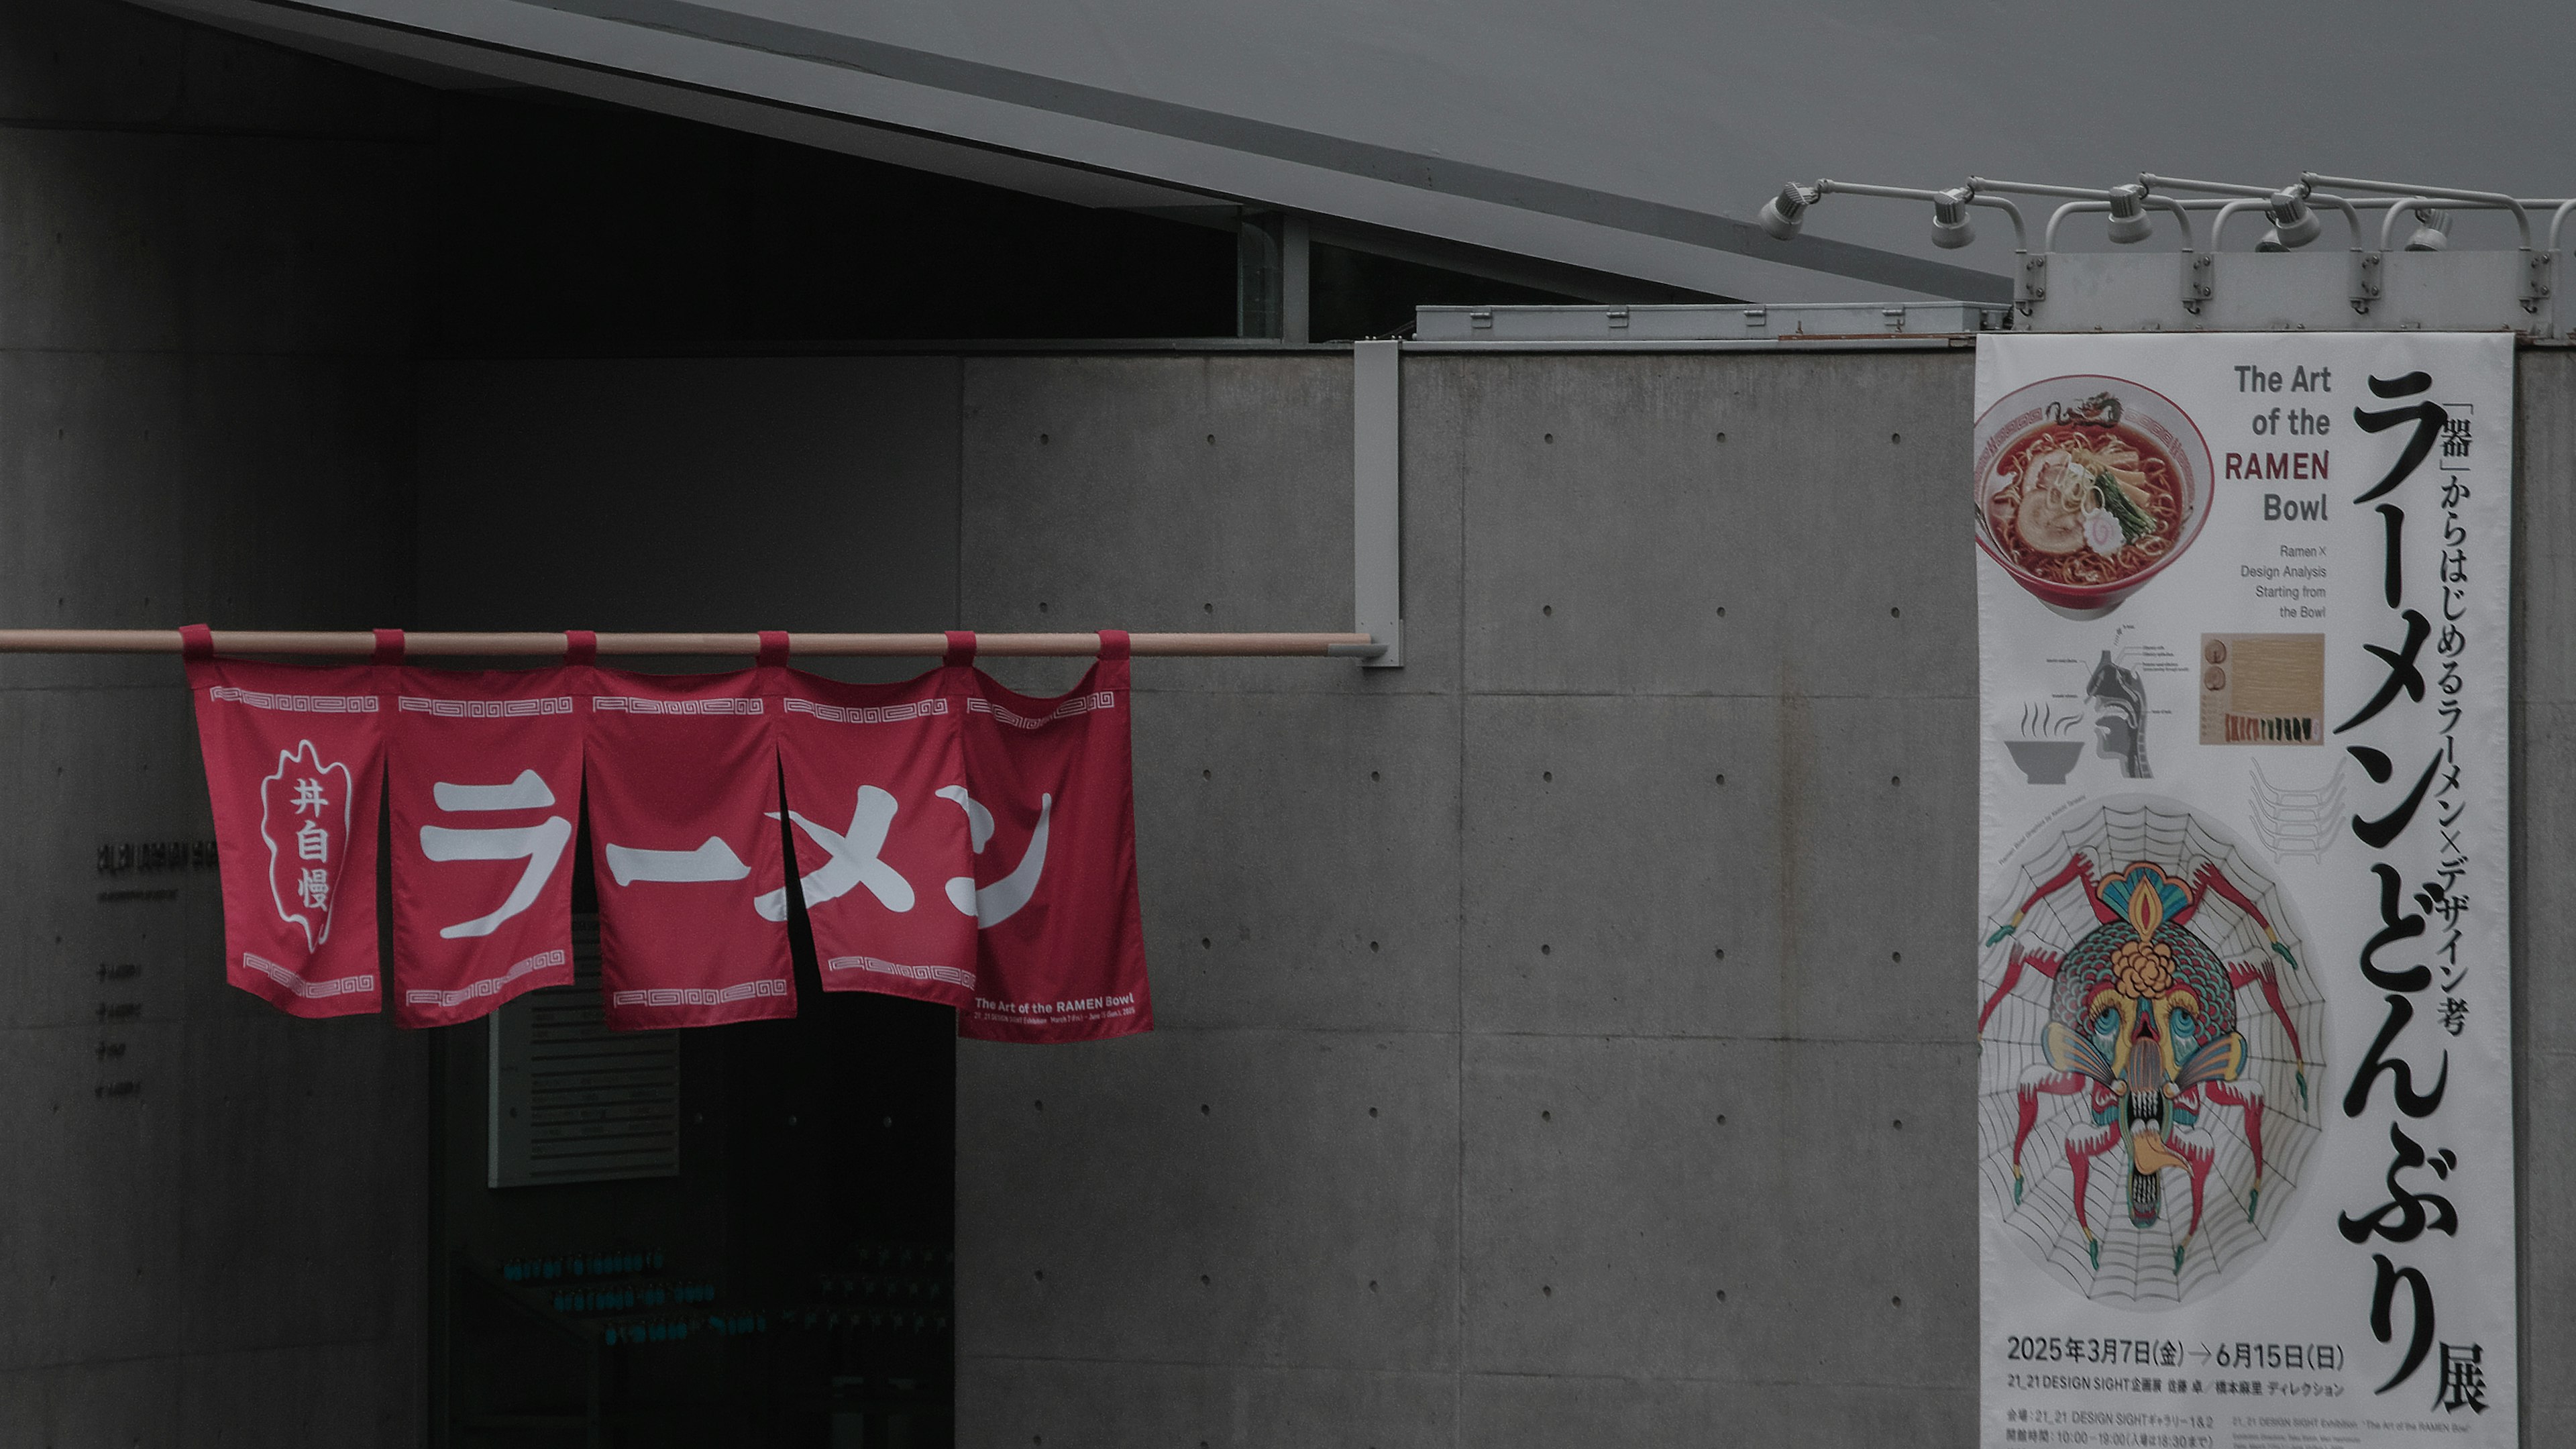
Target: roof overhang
<point x="833" y="87"/>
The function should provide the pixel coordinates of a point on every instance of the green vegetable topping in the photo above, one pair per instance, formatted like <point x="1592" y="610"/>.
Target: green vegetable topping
<point x="2134" y="523"/>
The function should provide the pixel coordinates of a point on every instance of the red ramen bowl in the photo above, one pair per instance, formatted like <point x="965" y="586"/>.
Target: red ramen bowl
<point x="2048" y="456"/>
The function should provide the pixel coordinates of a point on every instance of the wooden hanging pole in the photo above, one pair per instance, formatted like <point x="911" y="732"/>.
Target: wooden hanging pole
<point x="534" y="644"/>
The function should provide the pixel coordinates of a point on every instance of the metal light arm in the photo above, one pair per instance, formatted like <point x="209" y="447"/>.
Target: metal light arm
<point x="1826" y="186"/>
<point x="2073" y="208"/>
<point x="2305" y="192"/>
<point x="2218" y="228"/>
<point x="2396" y="209"/>
<point x="2090" y="193"/>
<point x="2521" y="214"/>
<point x="2396" y="206"/>
<point x="2029" y="281"/>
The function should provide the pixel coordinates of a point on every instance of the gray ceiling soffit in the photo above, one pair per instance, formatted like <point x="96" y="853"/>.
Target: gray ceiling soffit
<point x="1664" y="236"/>
<point x="1288" y="143"/>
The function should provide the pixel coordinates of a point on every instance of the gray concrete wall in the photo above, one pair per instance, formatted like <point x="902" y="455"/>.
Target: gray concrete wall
<point x="205" y="294"/>
<point x="1528" y="1073"/>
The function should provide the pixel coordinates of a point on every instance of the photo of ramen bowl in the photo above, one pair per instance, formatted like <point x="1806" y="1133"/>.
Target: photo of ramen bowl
<point x="2087" y="487"/>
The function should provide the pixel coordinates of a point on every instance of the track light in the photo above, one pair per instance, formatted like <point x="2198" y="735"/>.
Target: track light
<point x="2129" y="220"/>
<point x="2294" y="223"/>
<point x="1951" y="228"/>
<point x="1783" y="214"/>
<point x="2432" y="230"/>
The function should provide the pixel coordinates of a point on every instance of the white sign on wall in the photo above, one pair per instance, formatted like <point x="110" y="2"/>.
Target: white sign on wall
<point x="2245" y="1151"/>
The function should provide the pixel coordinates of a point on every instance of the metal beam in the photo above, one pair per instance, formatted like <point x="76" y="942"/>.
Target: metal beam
<point x="1377" y="498"/>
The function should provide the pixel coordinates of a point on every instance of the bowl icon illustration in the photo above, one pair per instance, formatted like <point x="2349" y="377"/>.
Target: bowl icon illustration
<point x="2045" y="762"/>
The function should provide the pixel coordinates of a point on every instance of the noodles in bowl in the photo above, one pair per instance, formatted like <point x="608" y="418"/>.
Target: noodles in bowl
<point x="2087" y="487"/>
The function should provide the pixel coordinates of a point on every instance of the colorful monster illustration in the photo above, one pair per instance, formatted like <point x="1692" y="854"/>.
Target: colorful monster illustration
<point x="2143" y="1031"/>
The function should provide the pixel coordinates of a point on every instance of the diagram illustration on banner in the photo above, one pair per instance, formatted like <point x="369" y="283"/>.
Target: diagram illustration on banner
<point x="2244" y="1104"/>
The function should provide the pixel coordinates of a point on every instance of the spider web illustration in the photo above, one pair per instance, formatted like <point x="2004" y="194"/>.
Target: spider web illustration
<point x="2137" y="1265"/>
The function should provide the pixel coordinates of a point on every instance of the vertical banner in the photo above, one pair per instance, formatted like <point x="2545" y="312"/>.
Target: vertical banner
<point x="1053" y="816"/>
<point x="295" y="768"/>
<point x="485" y="791"/>
<point x="684" y="824"/>
<point x="876" y="791"/>
<point x="2245" y="1112"/>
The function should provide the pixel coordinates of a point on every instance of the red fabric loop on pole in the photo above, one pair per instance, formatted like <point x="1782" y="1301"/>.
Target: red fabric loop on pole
<point x="581" y="646"/>
<point x="961" y="647"/>
<point x="773" y="647"/>
<point x="1113" y="643"/>
<point x="389" y="646"/>
<point x="196" y="641"/>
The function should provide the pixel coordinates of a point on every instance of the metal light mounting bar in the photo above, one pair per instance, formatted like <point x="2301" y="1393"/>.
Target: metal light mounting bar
<point x="1783" y="215"/>
<point x="2081" y="208"/>
<point x="2292" y="227"/>
<point x="1967" y="195"/>
<point x="2127" y="207"/>
<point x="2300" y="191"/>
<point x="2396" y="206"/>
<point x="2535" y="265"/>
<point x="361" y="643"/>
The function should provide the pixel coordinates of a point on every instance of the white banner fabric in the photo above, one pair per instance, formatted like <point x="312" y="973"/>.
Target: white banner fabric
<point x="2244" y="1083"/>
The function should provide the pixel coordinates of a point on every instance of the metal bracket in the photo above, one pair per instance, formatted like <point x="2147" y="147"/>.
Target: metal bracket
<point x="2535" y="278"/>
<point x="1377" y="498"/>
<point x="2195" y="279"/>
<point x="2033" y="282"/>
<point x="2365" y="281"/>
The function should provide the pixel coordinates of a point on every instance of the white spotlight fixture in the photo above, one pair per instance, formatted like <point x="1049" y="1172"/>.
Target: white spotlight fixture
<point x="1951" y="228"/>
<point x="1783" y="214"/>
<point x="2129" y="220"/>
<point x="2432" y="230"/>
<point x="2294" y="222"/>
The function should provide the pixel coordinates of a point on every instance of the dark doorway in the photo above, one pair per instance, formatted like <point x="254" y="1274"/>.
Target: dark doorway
<point x="787" y="1281"/>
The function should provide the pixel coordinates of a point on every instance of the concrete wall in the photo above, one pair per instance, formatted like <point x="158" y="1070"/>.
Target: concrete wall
<point x="205" y="293"/>
<point x="1530" y="1073"/>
